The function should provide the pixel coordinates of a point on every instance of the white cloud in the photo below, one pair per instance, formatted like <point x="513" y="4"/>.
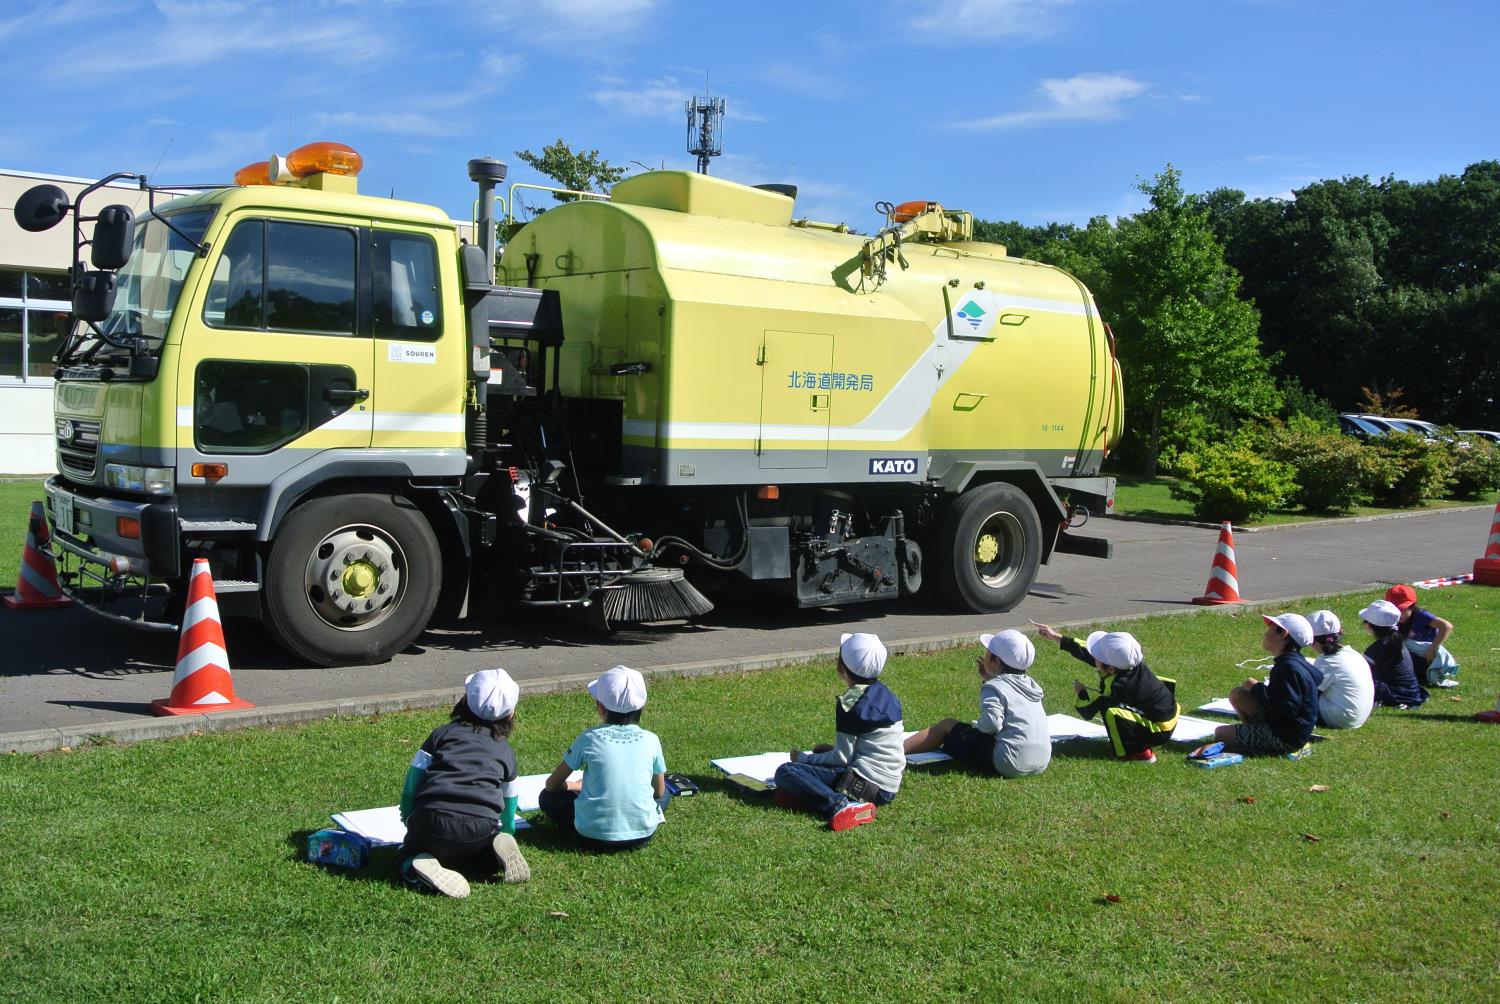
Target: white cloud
<point x="395" y="123"/>
<point x="499" y="66"/>
<point x="1087" y="97"/>
<point x="567" y="21"/>
<point x="654" y="99"/>
<point x="963" y="21"/>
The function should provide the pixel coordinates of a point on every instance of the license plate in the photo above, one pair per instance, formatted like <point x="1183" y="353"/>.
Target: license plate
<point x="62" y="512"/>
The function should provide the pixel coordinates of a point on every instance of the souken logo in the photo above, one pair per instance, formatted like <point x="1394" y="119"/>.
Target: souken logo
<point x="893" y="465"/>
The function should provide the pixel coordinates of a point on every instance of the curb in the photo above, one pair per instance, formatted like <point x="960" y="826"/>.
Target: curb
<point x="127" y="731"/>
<point x="1331" y="521"/>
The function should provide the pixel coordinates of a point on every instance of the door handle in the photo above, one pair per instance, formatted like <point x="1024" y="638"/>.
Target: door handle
<point x="820" y="402"/>
<point x="344" y="395"/>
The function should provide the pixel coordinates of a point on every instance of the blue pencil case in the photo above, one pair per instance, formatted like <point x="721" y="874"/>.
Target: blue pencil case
<point x="1219" y="760"/>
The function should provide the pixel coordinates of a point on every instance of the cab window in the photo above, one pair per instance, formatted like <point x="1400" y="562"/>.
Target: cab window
<point x="292" y="277"/>
<point x="405" y="282"/>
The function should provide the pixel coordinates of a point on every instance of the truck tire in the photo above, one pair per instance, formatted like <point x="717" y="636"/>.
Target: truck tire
<point x="351" y="579"/>
<point x="987" y="549"/>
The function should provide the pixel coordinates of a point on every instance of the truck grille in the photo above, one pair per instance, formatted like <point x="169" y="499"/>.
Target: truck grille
<point x="79" y="453"/>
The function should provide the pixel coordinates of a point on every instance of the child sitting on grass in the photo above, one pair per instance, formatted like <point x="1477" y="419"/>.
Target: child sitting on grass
<point x="1346" y="694"/>
<point x="863" y="768"/>
<point x="1277" y="716"/>
<point x="1139" y="709"/>
<point x="1390" y="662"/>
<point x="1423" y="633"/>
<point x="623" y="795"/>
<point x="456" y="803"/>
<point x="1010" y="737"/>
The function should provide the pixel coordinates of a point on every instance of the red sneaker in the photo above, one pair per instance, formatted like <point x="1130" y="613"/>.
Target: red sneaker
<point x="1144" y="756"/>
<point x="852" y="815"/>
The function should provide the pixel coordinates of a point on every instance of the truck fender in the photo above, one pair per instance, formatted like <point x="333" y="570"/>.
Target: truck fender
<point x="383" y="473"/>
<point x="1025" y="475"/>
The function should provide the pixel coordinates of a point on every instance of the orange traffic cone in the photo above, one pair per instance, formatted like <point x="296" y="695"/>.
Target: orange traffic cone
<point x="1223" y="579"/>
<point x="36" y="584"/>
<point x="1487" y="568"/>
<point x="202" y="683"/>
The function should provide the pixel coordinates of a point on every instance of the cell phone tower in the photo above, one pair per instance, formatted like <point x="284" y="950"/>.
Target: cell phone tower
<point x="705" y="129"/>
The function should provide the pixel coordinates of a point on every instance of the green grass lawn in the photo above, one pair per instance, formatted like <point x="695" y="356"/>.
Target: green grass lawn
<point x="15" y="507"/>
<point x="1138" y="496"/>
<point x="173" y="870"/>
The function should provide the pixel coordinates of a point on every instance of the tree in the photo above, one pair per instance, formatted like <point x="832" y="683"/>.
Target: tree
<point x="1187" y="342"/>
<point x="573" y="169"/>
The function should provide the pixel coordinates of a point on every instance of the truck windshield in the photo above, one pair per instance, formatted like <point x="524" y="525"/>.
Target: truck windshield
<point x="150" y="283"/>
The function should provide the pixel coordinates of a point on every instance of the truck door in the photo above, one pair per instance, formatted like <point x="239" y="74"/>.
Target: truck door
<point x="796" y="400"/>
<point x="279" y="365"/>
<point x="421" y="394"/>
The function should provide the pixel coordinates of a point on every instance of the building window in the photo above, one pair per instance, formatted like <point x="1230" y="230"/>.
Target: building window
<point x="35" y="315"/>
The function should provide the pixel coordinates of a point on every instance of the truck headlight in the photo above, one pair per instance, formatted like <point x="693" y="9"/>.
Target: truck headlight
<point x="148" y="480"/>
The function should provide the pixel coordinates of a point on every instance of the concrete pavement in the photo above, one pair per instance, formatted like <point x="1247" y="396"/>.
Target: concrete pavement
<point x="67" y="675"/>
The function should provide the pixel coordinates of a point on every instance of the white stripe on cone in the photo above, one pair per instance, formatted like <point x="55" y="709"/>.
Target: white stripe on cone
<point x="1229" y="580"/>
<point x="206" y="609"/>
<point x="207" y="654"/>
<point x="212" y="697"/>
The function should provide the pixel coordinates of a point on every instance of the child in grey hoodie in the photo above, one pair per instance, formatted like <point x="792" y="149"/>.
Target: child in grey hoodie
<point x="1010" y="737"/>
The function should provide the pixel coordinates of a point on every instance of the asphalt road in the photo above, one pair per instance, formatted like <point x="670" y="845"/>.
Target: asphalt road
<point x="66" y="669"/>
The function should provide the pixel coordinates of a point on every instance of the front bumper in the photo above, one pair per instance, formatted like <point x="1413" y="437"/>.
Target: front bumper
<point x="124" y="578"/>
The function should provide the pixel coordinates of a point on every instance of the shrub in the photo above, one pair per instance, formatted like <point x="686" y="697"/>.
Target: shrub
<point x="1476" y="466"/>
<point x="1332" y="470"/>
<point x="1408" y="469"/>
<point x="1230" y="480"/>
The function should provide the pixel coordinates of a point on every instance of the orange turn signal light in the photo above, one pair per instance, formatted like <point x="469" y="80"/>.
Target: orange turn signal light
<point x="258" y="173"/>
<point x="211" y="472"/>
<point x="768" y="492"/>
<point x="323" y="158"/>
<point x="128" y="527"/>
<point x="909" y="210"/>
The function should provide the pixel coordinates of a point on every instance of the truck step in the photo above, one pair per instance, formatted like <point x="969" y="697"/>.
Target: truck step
<point x="235" y="586"/>
<point x="215" y="526"/>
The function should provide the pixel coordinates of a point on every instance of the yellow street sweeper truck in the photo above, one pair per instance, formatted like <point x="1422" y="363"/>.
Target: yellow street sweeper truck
<point x="364" y="422"/>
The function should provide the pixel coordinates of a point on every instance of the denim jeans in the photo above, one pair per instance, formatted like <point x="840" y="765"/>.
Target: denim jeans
<point x="814" y="786"/>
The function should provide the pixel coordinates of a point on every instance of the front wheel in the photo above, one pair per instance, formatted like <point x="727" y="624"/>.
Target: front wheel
<point x="988" y="546"/>
<point x="351" y="579"/>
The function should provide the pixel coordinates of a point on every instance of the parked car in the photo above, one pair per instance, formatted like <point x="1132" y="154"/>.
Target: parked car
<point x="1493" y="437"/>
<point x="1361" y="427"/>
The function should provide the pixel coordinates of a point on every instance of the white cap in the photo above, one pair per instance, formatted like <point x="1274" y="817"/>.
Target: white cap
<point x="621" y="690"/>
<point x="863" y="655"/>
<point x="1116" y="649"/>
<point x="1011" y="647"/>
<point x="491" y="694"/>
<point x="1324" y="622"/>
<point x="1381" y="613"/>
<point x="1295" y="625"/>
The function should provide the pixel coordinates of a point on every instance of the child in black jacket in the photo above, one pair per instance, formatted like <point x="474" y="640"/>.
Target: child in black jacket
<point x="1139" y="709"/>
<point x="1277" y="715"/>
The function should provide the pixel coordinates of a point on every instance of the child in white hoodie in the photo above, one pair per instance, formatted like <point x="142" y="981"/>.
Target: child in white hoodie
<point x="1010" y="737"/>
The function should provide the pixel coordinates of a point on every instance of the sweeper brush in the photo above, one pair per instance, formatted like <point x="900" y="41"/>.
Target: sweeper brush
<point x="652" y="594"/>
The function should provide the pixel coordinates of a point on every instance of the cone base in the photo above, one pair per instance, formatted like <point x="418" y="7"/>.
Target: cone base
<point x="1487" y="571"/>
<point x="14" y="602"/>
<point x="164" y="706"/>
<point x="1214" y="601"/>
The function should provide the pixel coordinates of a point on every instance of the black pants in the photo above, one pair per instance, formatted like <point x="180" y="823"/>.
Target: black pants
<point x="1130" y="732"/>
<point x="558" y="805"/>
<point x="458" y="840"/>
<point x="971" y="747"/>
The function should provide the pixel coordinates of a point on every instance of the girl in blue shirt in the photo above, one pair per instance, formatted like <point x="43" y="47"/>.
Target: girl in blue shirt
<point x="621" y="800"/>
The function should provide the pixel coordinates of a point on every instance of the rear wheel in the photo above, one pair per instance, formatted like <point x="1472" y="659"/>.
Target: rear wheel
<point x="351" y="579"/>
<point x="988" y="547"/>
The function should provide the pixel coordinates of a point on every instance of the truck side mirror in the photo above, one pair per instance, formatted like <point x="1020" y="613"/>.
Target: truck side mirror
<point x="94" y="296"/>
<point x="114" y="234"/>
<point x="41" y="208"/>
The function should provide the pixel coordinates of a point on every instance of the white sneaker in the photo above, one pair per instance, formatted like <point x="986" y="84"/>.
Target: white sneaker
<point x="512" y="864"/>
<point x="431" y="873"/>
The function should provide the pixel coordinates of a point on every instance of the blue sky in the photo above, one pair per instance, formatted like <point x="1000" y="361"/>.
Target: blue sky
<point x="1013" y="109"/>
